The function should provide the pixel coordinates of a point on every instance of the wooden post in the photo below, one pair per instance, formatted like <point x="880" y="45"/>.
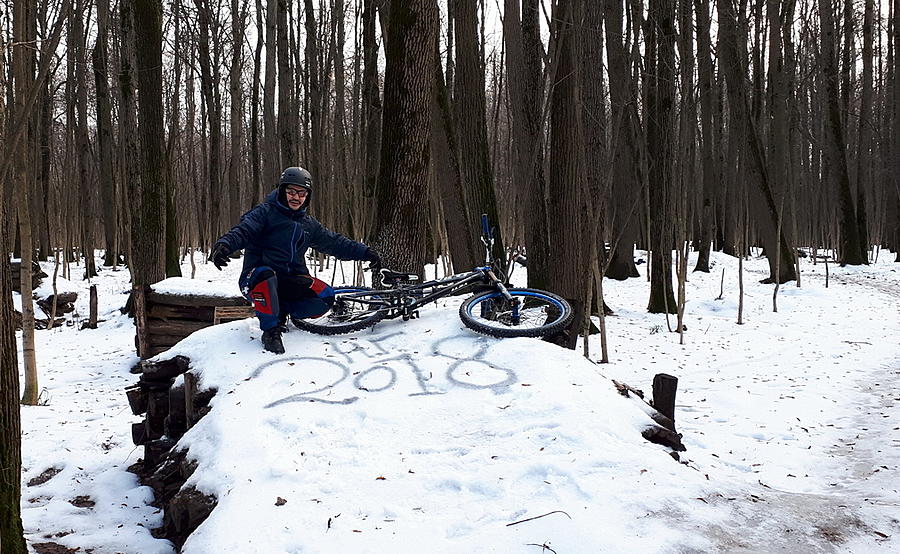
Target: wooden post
<point x="92" y="318"/>
<point x="664" y="387"/>
<point x="140" y="321"/>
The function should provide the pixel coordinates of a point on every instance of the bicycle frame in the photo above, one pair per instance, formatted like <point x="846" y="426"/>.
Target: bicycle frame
<point x="404" y="300"/>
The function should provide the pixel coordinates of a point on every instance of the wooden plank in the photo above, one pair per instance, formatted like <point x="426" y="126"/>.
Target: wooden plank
<point x="178" y="327"/>
<point x="195" y="300"/>
<point x="167" y="311"/>
<point x="230" y="313"/>
<point x="140" y="321"/>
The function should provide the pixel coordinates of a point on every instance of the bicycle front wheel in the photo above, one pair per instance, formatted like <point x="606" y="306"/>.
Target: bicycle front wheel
<point x="354" y="308"/>
<point x="532" y="313"/>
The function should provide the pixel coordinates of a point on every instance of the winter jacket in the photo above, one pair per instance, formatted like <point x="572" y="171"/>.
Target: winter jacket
<point x="274" y="235"/>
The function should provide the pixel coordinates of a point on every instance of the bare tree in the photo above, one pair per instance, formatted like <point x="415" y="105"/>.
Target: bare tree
<point x="406" y="127"/>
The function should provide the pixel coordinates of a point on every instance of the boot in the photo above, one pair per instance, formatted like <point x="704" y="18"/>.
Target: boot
<point x="271" y="340"/>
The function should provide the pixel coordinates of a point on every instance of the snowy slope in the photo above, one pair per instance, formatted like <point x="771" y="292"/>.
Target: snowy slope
<point x="425" y="437"/>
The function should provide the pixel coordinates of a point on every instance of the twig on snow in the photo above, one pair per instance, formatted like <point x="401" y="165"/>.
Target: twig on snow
<point x="538" y="517"/>
<point x="547" y="547"/>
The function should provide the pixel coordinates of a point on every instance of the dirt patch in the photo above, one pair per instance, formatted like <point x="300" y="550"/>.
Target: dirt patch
<point x="56" y="548"/>
<point x="47" y="474"/>
<point x="82" y="502"/>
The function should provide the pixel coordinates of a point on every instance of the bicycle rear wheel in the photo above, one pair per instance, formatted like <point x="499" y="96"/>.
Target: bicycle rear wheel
<point x="539" y="313"/>
<point x="354" y="308"/>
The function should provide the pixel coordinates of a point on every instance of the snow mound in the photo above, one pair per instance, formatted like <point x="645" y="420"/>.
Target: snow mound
<point x="414" y="432"/>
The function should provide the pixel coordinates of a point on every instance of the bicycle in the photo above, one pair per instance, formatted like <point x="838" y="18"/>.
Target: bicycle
<point x="494" y="309"/>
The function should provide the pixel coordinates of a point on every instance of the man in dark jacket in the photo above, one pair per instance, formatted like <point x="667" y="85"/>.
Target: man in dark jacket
<point x="276" y="235"/>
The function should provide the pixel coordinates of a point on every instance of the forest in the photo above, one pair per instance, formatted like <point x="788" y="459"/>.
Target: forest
<point x="585" y="129"/>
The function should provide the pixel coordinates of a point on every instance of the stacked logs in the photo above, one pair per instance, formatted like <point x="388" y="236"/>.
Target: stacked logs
<point x="170" y="407"/>
<point x="166" y="319"/>
<point x="15" y="270"/>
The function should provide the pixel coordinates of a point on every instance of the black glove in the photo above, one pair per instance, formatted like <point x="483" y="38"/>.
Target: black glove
<point x="372" y="256"/>
<point x="219" y="255"/>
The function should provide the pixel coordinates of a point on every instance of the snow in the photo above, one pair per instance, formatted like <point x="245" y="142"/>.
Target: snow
<point x="424" y="436"/>
<point x="182" y="286"/>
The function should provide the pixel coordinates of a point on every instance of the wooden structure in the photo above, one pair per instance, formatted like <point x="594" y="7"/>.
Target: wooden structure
<point x="15" y="272"/>
<point x="162" y="320"/>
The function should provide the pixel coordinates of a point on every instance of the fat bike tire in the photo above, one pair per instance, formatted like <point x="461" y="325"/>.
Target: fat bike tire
<point x="541" y="313"/>
<point x="346" y="315"/>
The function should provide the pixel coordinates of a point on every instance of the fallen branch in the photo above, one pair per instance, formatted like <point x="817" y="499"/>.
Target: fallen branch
<point x="538" y="517"/>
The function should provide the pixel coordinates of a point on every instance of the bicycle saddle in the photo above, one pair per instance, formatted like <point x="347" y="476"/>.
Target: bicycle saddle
<point x="391" y="277"/>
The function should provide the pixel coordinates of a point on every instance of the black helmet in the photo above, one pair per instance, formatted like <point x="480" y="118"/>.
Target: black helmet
<point x="294" y="176"/>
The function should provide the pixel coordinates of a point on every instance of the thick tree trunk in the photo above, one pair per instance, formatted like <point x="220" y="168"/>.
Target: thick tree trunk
<point x="83" y="143"/>
<point x="287" y="103"/>
<point x="660" y="138"/>
<point x="403" y="177"/>
<point x="209" y="88"/>
<point x="568" y="268"/>
<point x="148" y="193"/>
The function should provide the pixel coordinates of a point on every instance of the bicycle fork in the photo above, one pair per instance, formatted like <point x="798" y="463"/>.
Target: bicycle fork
<point x="514" y="302"/>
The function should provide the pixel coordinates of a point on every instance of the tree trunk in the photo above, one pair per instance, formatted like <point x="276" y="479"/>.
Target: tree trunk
<point x="406" y="126"/>
<point x="105" y="143"/>
<point x="708" y="165"/>
<point x="210" y="90"/>
<point x="371" y="116"/>
<point x="287" y="103"/>
<point x="471" y="127"/>
<point x="568" y="267"/>
<point x="23" y="64"/>
<point x="733" y="59"/>
<point x="836" y="141"/>
<point x="11" y="532"/>
<point x="148" y="193"/>
<point x="625" y="186"/>
<point x="271" y="152"/>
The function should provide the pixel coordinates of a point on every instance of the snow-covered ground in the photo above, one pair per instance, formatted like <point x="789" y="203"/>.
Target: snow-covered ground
<point x="423" y="436"/>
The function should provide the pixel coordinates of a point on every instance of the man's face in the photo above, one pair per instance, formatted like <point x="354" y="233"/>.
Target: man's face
<point x="296" y="196"/>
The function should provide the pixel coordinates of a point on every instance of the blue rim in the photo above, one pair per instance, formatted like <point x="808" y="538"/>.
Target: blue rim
<point x="495" y="294"/>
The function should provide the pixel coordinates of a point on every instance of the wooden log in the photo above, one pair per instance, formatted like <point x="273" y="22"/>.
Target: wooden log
<point x="138" y="433"/>
<point x="165" y="311"/>
<point x="140" y="321"/>
<point x="664" y="388"/>
<point x="176" y="327"/>
<point x="137" y="399"/>
<point x="155" y="452"/>
<point x="184" y="513"/>
<point x="164" y="369"/>
<point x="195" y="300"/>
<point x="196" y="401"/>
<point x="92" y="317"/>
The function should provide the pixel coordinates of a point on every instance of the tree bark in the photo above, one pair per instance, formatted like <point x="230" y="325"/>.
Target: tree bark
<point x="836" y="141"/>
<point x="568" y="267"/>
<point x="147" y="261"/>
<point x="406" y="126"/>
<point x="469" y="115"/>
<point x="660" y="138"/>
